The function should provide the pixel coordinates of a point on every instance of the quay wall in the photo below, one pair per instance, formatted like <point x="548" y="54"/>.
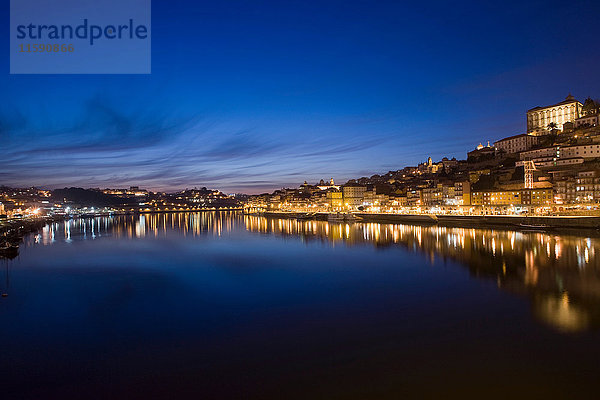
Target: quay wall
<point x="494" y="221"/>
<point x="464" y="221"/>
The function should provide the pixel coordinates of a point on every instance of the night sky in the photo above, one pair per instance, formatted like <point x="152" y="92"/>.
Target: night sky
<point x="252" y="96"/>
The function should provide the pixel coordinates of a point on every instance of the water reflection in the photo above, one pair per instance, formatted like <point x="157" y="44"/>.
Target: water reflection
<point x="559" y="274"/>
<point x="140" y="226"/>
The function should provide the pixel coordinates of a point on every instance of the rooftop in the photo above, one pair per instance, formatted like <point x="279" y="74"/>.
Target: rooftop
<point x="513" y="137"/>
<point x="569" y="100"/>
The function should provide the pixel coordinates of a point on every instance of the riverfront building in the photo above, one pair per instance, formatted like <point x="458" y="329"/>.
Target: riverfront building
<point x="335" y="200"/>
<point x="521" y="197"/>
<point x="354" y="195"/>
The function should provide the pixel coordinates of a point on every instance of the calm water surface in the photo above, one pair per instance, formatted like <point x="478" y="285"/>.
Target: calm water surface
<point x="221" y="305"/>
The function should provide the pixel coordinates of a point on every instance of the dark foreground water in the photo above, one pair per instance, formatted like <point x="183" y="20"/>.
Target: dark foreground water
<point x="226" y="306"/>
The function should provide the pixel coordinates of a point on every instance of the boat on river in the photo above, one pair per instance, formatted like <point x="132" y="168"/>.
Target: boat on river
<point x="306" y="216"/>
<point x="341" y="217"/>
<point x="531" y="227"/>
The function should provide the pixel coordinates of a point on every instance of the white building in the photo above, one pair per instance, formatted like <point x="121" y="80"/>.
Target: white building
<point x="559" y="156"/>
<point x="324" y="186"/>
<point x="553" y="162"/>
<point x="539" y="118"/>
<point x="585" y="151"/>
<point x="516" y="144"/>
<point x="546" y="152"/>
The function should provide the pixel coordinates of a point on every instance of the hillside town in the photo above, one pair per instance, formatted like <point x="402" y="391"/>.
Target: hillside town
<point x="32" y="202"/>
<point x="553" y="167"/>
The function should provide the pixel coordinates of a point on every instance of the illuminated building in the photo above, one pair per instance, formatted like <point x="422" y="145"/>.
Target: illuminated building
<point x="587" y="189"/>
<point x="462" y="193"/>
<point x="354" y="195"/>
<point x="552" y="162"/>
<point x="413" y="197"/>
<point x="399" y="201"/>
<point x="535" y="196"/>
<point x="516" y="144"/>
<point x="371" y="198"/>
<point x="540" y="118"/>
<point x="561" y="155"/>
<point x="585" y="151"/>
<point x="546" y="152"/>
<point x="590" y="114"/>
<point x="565" y="191"/>
<point x="432" y="195"/>
<point x="429" y="167"/>
<point x="324" y="186"/>
<point x="587" y="121"/>
<point x="335" y="199"/>
<point x="481" y="153"/>
<point x="439" y="194"/>
<point x="495" y="197"/>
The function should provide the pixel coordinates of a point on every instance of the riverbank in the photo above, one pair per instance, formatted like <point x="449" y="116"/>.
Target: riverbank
<point x="491" y="221"/>
<point x="13" y="231"/>
<point x="542" y="223"/>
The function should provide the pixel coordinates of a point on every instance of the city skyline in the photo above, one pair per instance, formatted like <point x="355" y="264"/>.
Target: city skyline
<point x="297" y="93"/>
<point x="501" y="146"/>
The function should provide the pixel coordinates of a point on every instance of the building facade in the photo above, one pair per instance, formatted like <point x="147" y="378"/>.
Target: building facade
<point x="585" y="151"/>
<point x="516" y="144"/>
<point x="556" y="156"/>
<point x="536" y="196"/>
<point x="335" y="200"/>
<point x="354" y="195"/>
<point x="587" y="121"/>
<point x="496" y="197"/>
<point x="539" y="119"/>
<point x="565" y="191"/>
<point x="587" y="189"/>
<point x="432" y="195"/>
<point x="462" y="193"/>
<point x="413" y="197"/>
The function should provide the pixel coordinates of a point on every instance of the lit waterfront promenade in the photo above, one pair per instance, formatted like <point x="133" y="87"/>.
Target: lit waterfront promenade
<point x="507" y="221"/>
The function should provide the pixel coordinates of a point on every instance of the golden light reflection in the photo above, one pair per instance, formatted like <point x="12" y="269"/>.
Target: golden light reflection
<point x="559" y="273"/>
<point x="562" y="314"/>
<point x="543" y="266"/>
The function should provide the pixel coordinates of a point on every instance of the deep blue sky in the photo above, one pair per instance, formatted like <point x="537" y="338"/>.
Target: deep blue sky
<point x="251" y="96"/>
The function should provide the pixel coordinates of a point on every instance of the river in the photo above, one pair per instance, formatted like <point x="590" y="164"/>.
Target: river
<point x="224" y="305"/>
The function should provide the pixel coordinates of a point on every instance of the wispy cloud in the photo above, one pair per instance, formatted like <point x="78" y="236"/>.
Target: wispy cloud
<point x="105" y="146"/>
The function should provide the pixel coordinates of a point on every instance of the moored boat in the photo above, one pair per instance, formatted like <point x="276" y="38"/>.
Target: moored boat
<point x="534" y="227"/>
<point x="341" y="217"/>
